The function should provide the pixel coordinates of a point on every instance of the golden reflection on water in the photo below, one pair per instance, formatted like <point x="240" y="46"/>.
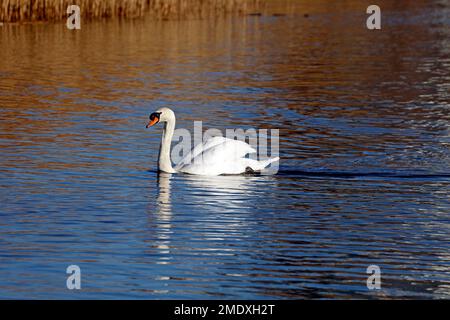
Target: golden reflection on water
<point x="49" y="74"/>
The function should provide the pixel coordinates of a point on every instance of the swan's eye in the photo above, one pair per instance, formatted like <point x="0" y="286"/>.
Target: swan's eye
<point x="155" y="115"/>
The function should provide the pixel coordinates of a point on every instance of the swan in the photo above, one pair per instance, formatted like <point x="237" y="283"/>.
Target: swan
<point x="215" y="156"/>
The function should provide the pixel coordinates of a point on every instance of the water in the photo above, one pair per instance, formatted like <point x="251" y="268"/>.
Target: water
<point x="364" y="143"/>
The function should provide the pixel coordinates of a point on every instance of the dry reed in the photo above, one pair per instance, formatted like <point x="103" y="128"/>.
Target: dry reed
<point x="44" y="10"/>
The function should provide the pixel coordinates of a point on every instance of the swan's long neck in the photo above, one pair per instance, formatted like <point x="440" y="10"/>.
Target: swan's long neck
<point x="164" y="162"/>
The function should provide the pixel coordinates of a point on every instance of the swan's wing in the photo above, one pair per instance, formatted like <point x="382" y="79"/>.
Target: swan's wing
<point x="217" y="155"/>
<point x="227" y="150"/>
<point x="209" y="143"/>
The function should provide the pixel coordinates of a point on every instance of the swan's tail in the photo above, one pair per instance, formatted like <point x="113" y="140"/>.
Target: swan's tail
<point x="256" y="165"/>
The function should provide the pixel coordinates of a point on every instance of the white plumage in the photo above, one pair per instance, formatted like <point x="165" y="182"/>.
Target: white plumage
<point x="215" y="156"/>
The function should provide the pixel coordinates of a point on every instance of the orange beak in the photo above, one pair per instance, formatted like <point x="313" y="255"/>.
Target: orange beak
<point x="152" y="122"/>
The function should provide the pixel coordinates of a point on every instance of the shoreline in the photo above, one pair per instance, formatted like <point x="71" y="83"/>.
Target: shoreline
<point x="31" y="11"/>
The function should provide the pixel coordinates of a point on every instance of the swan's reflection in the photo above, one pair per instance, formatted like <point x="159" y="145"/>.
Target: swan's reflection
<point x="213" y="209"/>
<point x="163" y="217"/>
<point x="203" y="222"/>
<point x="232" y="192"/>
<point x="163" y="200"/>
<point x="225" y="193"/>
<point x="222" y="210"/>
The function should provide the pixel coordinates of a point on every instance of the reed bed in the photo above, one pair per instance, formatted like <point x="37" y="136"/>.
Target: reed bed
<point x="45" y="10"/>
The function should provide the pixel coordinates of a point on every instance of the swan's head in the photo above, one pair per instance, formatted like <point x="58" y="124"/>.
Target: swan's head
<point x="161" y="115"/>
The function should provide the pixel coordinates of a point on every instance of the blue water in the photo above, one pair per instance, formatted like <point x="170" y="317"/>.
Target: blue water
<point x="364" y="144"/>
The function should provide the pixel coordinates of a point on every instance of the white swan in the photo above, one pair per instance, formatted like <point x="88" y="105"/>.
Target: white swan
<point x="215" y="156"/>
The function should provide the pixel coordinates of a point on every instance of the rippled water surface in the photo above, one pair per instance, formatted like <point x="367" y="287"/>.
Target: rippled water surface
<point x="364" y="144"/>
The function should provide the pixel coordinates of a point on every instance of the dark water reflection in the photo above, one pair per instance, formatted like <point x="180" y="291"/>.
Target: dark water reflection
<point x="364" y="142"/>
